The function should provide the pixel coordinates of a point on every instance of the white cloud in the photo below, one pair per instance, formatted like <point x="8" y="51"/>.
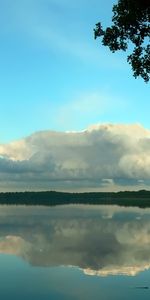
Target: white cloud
<point x="102" y="156"/>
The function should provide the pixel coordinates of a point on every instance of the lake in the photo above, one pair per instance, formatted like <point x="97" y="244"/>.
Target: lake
<point x="74" y="252"/>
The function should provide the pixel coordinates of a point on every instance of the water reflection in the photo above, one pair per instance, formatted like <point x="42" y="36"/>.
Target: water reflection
<point x="100" y="240"/>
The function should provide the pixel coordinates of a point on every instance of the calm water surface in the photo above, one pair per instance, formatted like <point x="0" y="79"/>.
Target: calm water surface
<point x="74" y="252"/>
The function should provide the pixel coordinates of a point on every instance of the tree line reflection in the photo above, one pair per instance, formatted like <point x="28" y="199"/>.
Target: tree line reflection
<point x="52" y="198"/>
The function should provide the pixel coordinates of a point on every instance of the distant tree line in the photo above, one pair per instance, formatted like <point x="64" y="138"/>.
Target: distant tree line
<point x="52" y="198"/>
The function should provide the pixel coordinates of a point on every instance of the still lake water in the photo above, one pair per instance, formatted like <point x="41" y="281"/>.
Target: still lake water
<point x="74" y="252"/>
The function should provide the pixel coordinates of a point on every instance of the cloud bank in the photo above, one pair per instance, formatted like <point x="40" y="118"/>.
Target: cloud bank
<point x="102" y="157"/>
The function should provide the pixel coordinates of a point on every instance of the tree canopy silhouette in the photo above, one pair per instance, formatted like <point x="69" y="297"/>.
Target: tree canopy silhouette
<point x="131" y="23"/>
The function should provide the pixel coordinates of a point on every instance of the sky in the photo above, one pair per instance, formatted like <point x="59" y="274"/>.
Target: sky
<point x="55" y="77"/>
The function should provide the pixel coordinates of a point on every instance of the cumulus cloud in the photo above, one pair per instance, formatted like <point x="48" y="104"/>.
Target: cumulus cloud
<point x="101" y="157"/>
<point x="79" y="236"/>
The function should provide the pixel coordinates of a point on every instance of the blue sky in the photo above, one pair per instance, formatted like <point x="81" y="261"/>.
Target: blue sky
<point x="55" y="76"/>
<point x="72" y="115"/>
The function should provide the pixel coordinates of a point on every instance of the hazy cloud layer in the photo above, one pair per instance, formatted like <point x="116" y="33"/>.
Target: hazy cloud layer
<point x="102" y="157"/>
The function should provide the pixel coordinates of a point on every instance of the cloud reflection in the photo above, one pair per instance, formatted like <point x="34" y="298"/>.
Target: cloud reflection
<point x="100" y="240"/>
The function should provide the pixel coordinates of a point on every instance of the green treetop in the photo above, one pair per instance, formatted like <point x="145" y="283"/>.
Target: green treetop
<point x="131" y="22"/>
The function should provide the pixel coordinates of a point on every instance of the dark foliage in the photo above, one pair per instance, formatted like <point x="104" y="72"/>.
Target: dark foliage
<point x="131" y="23"/>
<point x="52" y="198"/>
